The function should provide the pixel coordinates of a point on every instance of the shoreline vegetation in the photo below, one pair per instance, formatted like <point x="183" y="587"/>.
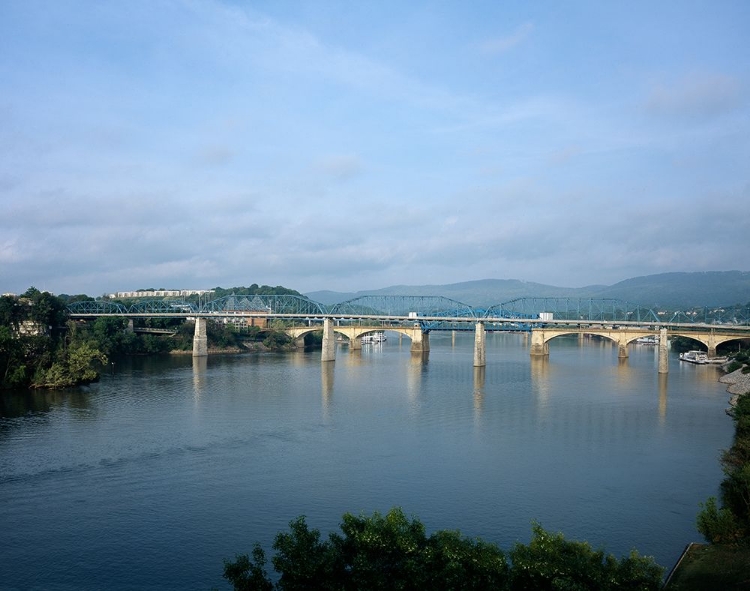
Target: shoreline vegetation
<point x="42" y="348"/>
<point x="724" y="561"/>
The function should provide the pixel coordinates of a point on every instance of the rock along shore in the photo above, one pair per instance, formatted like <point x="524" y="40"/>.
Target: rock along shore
<point x="739" y="384"/>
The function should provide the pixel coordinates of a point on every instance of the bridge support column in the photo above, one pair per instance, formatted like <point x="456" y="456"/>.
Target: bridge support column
<point x="355" y="343"/>
<point x="420" y="341"/>
<point x="130" y="325"/>
<point x="539" y="347"/>
<point x="200" y="340"/>
<point x="711" y="344"/>
<point x="663" y="351"/>
<point x="622" y="349"/>
<point x="480" y="350"/>
<point x="299" y="342"/>
<point x="329" y="341"/>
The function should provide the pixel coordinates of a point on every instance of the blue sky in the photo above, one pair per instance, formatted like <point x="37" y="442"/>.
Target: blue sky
<point x="352" y="146"/>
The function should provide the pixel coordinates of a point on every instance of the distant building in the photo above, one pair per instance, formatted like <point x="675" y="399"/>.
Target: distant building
<point x="159" y="293"/>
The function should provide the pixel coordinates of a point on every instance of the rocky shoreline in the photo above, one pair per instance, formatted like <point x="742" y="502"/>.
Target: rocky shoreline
<point x="738" y="384"/>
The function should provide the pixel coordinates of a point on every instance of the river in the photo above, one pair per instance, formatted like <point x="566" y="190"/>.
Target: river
<point x="152" y="477"/>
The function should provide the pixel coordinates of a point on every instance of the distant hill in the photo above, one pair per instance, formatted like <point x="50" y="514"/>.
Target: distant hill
<point x="666" y="290"/>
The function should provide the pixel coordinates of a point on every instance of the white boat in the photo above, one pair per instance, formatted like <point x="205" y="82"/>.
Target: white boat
<point x="373" y="337"/>
<point x="699" y="357"/>
<point x="651" y="340"/>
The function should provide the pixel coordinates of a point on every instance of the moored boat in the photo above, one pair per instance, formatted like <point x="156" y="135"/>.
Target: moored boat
<point x="699" y="357"/>
<point x="374" y="337"/>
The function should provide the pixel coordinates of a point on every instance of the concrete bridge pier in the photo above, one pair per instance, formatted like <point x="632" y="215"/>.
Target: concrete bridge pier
<point x="420" y="342"/>
<point x="355" y="343"/>
<point x="200" y="339"/>
<point x="539" y="347"/>
<point x="329" y="341"/>
<point x="622" y="349"/>
<point x="711" y="344"/>
<point x="480" y="350"/>
<point x="663" y="351"/>
<point x="130" y="325"/>
<point x="299" y="342"/>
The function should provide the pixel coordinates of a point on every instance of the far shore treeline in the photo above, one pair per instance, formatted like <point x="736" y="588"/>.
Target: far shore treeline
<point x="41" y="347"/>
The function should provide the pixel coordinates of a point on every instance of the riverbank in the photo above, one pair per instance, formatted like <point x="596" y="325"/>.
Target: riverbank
<point x="717" y="565"/>
<point x="738" y="384"/>
<point x="711" y="566"/>
<point x="256" y="347"/>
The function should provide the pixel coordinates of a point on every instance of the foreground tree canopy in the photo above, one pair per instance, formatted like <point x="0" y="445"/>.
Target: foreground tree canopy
<point x="394" y="552"/>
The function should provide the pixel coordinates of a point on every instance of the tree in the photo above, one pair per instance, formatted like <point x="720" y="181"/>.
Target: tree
<point x="552" y="562"/>
<point x="394" y="552"/>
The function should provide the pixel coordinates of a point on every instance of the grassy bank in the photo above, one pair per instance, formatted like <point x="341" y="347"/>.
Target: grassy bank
<point x="714" y="567"/>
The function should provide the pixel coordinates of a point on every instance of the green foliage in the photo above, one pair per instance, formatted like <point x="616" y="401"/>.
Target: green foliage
<point x="731" y="522"/>
<point x="551" y="562"/>
<point x="717" y="526"/>
<point x="733" y="366"/>
<point x="394" y="552"/>
<point x="77" y="365"/>
<point x="246" y="575"/>
<point x="277" y="339"/>
<point x="254" y="289"/>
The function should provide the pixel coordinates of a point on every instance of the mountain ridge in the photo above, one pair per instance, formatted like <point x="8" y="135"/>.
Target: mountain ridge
<point x="668" y="290"/>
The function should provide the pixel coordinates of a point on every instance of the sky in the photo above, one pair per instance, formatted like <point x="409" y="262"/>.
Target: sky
<point x="338" y="145"/>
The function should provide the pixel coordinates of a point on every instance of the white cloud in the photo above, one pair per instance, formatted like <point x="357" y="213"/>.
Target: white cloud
<point x="507" y="42"/>
<point x="696" y="95"/>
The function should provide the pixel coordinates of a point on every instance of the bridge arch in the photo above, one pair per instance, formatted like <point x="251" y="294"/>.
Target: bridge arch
<point x="710" y="340"/>
<point x="541" y="337"/>
<point x="403" y="305"/>
<point x="584" y="309"/>
<point x="259" y="303"/>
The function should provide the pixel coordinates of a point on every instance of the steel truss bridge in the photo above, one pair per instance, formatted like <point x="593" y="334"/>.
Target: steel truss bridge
<point x="431" y="312"/>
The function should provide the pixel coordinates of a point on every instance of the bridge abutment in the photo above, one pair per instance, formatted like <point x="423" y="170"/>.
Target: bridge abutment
<point x="480" y="349"/>
<point x="329" y="341"/>
<point x="200" y="339"/>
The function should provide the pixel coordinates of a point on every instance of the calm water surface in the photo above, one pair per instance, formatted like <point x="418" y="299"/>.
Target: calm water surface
<point x="151" y="478"/>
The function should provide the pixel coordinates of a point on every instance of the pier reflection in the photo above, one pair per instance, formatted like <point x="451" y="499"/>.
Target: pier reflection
<point x="417" y="365"/>
<point x="200" y="367"/>
<point x="480" y="374"/>
<point x="326" y="385"/>
<point x="663" y="380"/>
<point x="540" y="379"/>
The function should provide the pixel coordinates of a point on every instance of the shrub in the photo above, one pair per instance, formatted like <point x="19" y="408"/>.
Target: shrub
<point x="716" y="525"/>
